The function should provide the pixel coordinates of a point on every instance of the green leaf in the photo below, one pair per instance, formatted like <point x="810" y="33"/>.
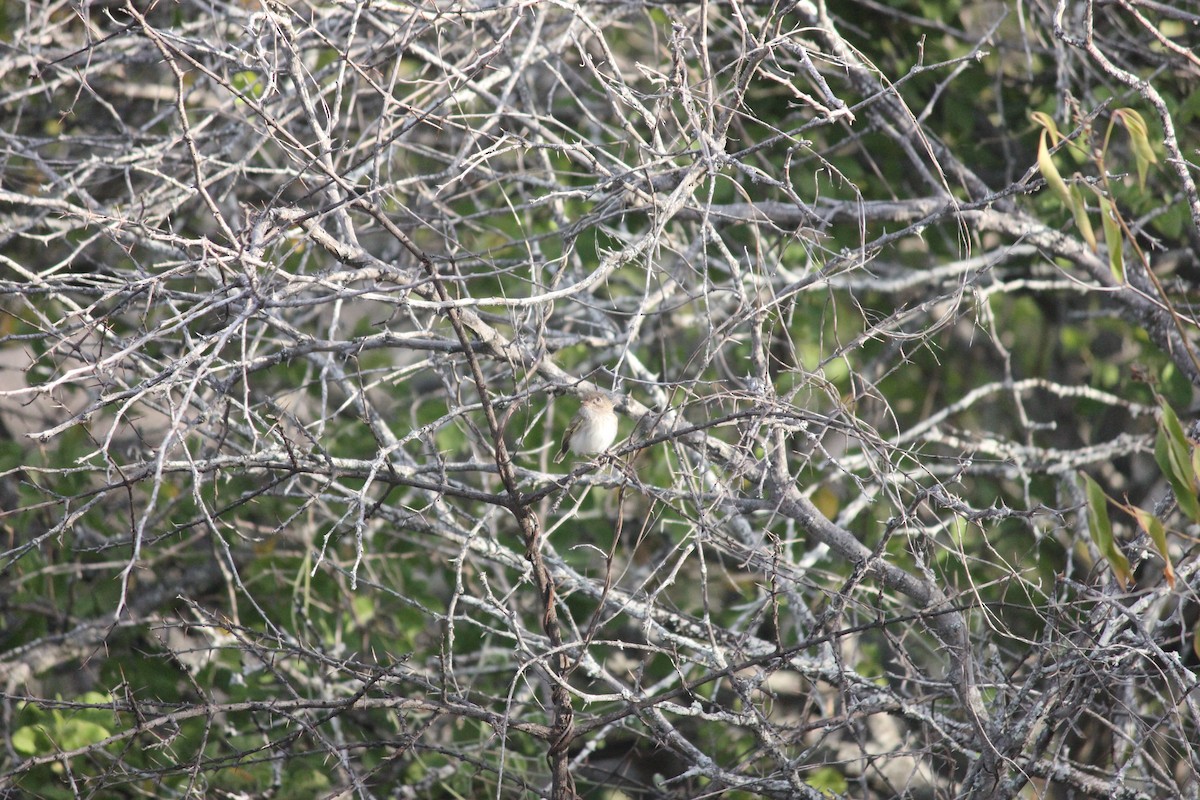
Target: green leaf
<point x="1170" y="422"/>
<point x="248" y="83"/>
<point x="1047" y="122"/>
<point x="1196" y="460"/>
<point x="1173" y="221"/>
<point x="1176" y="458"/>
<point x="1153" y="527"/>
<point x="1113" y="239"/>
<point x="1045" y="163"/>
<point x="828" y="780"/>
<point x="1100" y="529"/>
<point x="1142" y="151"/>
<point x="77" y="733"/>
<point x="1079" y="209"/>
<point x="30" y="740"/>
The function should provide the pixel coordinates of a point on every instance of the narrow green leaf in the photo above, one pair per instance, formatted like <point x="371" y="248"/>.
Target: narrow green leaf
<point x="1113" y="239"/>
<point x="1047" y="122"/>
<point x="1170" y="421"/>
<point x="1046" y="163"/>
<point x="1153" y="527"/>
<point x="1101" y="531"/>
<point x="1082" y="221"/>
<point x="1175" y="457"/>
<point x="1050" y="173"/>
<point x="1142" y="151"/>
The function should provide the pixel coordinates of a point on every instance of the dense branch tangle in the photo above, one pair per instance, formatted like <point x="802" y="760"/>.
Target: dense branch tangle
<point x="298" y="300"/>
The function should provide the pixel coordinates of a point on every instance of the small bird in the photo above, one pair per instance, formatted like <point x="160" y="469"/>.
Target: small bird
<point x="592" y="429"/>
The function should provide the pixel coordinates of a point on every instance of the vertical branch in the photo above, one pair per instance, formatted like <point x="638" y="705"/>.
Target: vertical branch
<point x="563" y="786"/>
